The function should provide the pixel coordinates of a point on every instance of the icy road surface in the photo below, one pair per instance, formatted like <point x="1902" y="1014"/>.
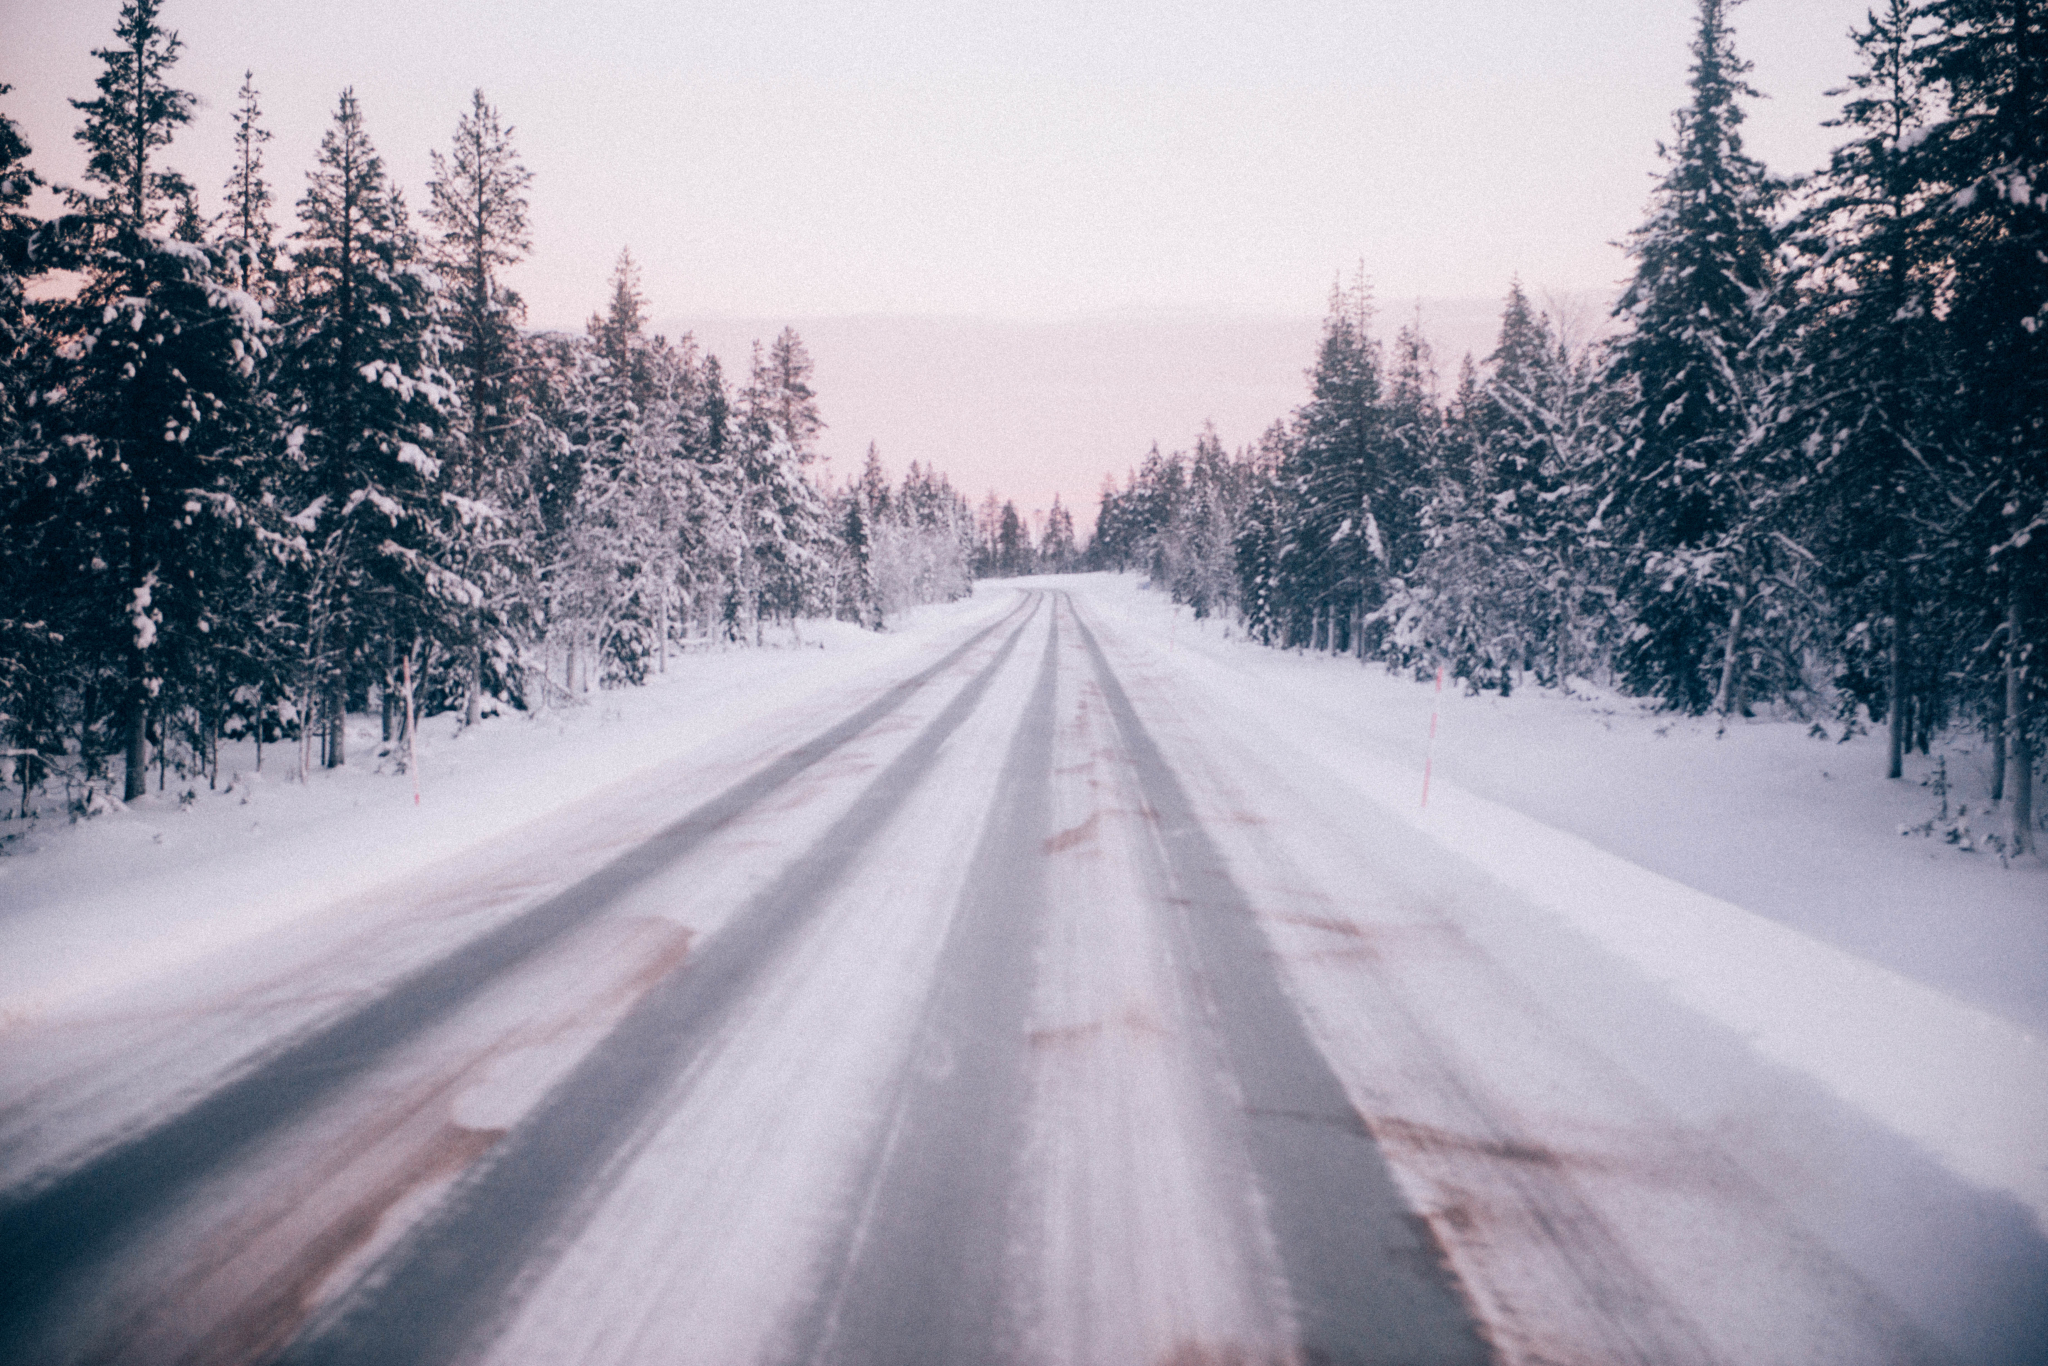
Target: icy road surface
<point x="1035" y="1002"/>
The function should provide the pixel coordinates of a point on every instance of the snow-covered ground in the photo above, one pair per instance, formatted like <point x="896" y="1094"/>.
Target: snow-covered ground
<point x="1761" y="813"/>
<point x="187" y="873"/>
<point x="1641" y="1013"/>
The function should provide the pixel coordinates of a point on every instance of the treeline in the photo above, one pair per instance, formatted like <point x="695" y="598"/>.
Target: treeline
<point x="1005" y="545"/>
<point x="253" y="480"/>
<point x="1808" y="467"/>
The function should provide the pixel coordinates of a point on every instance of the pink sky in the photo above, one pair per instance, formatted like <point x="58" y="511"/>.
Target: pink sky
<point x="1205" y="165"/>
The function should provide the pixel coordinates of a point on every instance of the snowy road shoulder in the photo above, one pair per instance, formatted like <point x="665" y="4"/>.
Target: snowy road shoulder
<point x="1968" y="1086"/>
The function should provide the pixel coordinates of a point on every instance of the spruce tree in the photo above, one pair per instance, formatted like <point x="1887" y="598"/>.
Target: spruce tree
<point x="32" y="657"/>
<point x="619" y="332"/>
<point x="1987" y="159"/>
<point x="153" y="488"/>
<point x="1704" y="265"/>
<point x="368" y="399"/>
<point x="1872" y="396"/>
<point x="246" y="225"/>
<point x="864" y="533"/>
<point x="478" y="201"/>
<point x="18" y="180"/>
<point x="1056" y="550"/>
<point x="1013" y="544"/>
<point x="1477" y="601"/>
<point x="782" y="517"/>
<point x="1335" y="558"/>
<point x="136" y="114"/>
<point x="1511" y="450"/>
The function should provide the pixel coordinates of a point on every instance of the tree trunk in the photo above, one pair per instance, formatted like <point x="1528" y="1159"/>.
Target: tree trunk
<point x="388" y="695"/>
<point x="476" y="682"/>
<point x="2020" y="763"/>
<point x="1725" y="698"/>
<point x="1998" y="742"/>
<point x="337" y="725"/>
<point x="1561" y="648"/>
<point x="1895" y="764"/>
<point x="136" y="781"/>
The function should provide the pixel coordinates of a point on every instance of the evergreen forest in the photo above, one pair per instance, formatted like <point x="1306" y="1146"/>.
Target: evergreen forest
<point x="266" y="467"/>
<point x="262" y="469"/>
<point x="1805" y="467"/>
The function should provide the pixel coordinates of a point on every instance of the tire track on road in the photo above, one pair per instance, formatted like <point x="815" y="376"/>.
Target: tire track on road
<point x="56" y="1235"/>
<point x="918" y="1276"/>
<point x="1368" y="1282"/>
<point x="1547" y="1228"/>
<point x="452" y="1276"/>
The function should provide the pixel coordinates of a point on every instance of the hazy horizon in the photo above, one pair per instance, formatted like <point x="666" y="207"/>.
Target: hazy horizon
<point x="1030" y="408"/>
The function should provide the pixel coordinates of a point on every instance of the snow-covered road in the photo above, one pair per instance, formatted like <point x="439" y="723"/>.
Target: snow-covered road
<point x="1034" y="999"/>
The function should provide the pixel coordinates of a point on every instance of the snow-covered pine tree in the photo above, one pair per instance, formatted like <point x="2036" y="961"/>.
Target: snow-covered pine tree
<point x="368" y="399"/>
<point x="1159" y="494"/>
<point x="922" y="545"/>
<point x="852" y="590"/>
<point x="153" y="478"/>
<point x="1703" y="267"/>
<point x="477" y="199"/>
<point x="1513" y="451"/>
<point x="1260" y="533"/>
<point x="32" y="654"/>
<point x="136" y="114"/>
<point x="782" y="516"/>
<point x="1869" y="403"/>
<point x="17" y="182"/>
<point x="1567" y="418"/>
<point x="686" y="549"/>
<point x="1333" y="557"/>
<point x="713" y="524"/>
<point x="619" y="333"/>
<point x="1013" y="544"/>
<point x="1987" y="159"/>
<point x="246" y="229"/>
<point x="1056" y="551"/>
<point x="1415" y="444"/>
<point x="1203" y="569"/>
<point x="794" y="401"/>
<point x="865" y="512"/>
<point x="664" y="522"/>
<point x="597" y="472"/>
<point x="1474" y="601"/>
<point x="478" y="202"/>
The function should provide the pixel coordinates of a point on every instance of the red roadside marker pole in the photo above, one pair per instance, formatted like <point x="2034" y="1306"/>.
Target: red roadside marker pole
<point x="1429" y="753"/>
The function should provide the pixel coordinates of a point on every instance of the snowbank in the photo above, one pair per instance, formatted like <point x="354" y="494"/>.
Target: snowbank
<point x="186" y="873"/>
